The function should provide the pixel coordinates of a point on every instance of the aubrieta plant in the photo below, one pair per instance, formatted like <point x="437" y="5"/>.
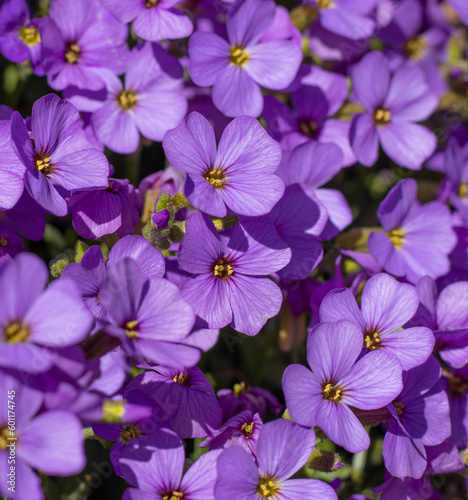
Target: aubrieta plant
<point x="234" y="249"/>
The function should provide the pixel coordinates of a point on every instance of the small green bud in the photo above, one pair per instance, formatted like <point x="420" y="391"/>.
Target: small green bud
<point x="60" y="262"/>
<point x="165" y="203"/>
<point x="177" y="232"/>
<point x="80" y="249"/>
<point x="324" y="461"/>
<point x="228" y="221"/>
<point x="180" y="201"/>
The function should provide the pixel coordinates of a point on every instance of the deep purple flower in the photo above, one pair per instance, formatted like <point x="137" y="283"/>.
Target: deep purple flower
<point x="239" y="66"/>
<point x="299" y="218"/>
<point x="241" y="430"/>
<point x="110" y="210"/>
<point x="82" y="45"/>
<point x="348" y="18"/>
<point x="227" y="283"/>
<point x="420" y="417"/>
<point x="90" y="273"/>
<point x="154" y="465"/>
<point x="149" y="103"/>
<point x="10" y="243"/>
<point x="239" y="175"/>
<point x="57" y="159"/>
<point x="323" y="397"/>
<point x="392" y="104"/>
<point x="33" y="321"/>
<point x="51" y="442"/>
<point x="386" y="305"/>
<point x="314" y="164"/>
<point x="153" y="20"/>
<point x="283" y="448"/>
<point x="185" y="397"/>
<point x="417" y="239"/>
<point x="254" y="399"/>
<point x="314" y="103"/>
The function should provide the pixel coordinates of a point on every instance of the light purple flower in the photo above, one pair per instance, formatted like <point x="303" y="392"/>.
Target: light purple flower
<point x="283" y="448"/>
<point x="154" y="465"/>
<point x="227" y="283"/>
<point x="417" y="239"/>
<point x="150" y="103"/>
<point x="239" y="66"/>
<point x="392" y="104"/>
<point x="34" y="321"/>
<point x="51" y="442"/>
<point x="238" y="175"/>
<point x="323" y="397"/>
<point x="386" y="305"/>
<point x="57" y="160"/>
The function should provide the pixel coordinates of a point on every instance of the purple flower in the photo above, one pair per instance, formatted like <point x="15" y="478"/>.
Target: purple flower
<point x="149" y="317"/>
<point x="19" y="35"/>
<point x="314" y="164"/>
<point x="320" y="96"/>
<point x="33" y="321"/>
<point x="153" y="20"/>
<point x="185" y="397"/>
<point x="283" y="448"/>
<point x="240" y="430"/>
<point x="10" y="243"/>
<point x="90" y="273"/>
<point x="254" y="399"/>
<point x="417" y="239"/>
<point x="11" y="170"/>
<point x="106" y="211"/>
<point x="420" y="417"/>
<point x="239" y="175"/>
<point x="323" y="397"/>
<point x="227" y="284"/>
<point x="299" y="219"/>
<point x="51" y="442"/>
<point x="348" y="18"/>
<point x="392" y="104"/>
<point x="57" y="160"/>
<point x="149" y="103"/>
<point x="154" y="465"/>
<point x="386" y="305"/>
<point x="239" y="66"/>
<point x="82" y="45"/>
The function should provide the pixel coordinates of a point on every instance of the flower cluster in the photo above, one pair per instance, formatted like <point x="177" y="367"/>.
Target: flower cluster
<point x="241" y="204"/>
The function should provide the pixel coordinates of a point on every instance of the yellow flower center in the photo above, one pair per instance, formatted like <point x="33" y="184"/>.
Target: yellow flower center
<point x="130" y="329"/>
<point x="130" y="432"/>
<point x="399" y="407"/>
<point x="30" y="35"/>
<point x="239" y="56"/>
<point x="397" y="237"/>
<point x="16" y="332"/>
<point x="457" y="385"/>
<point x="43" y="164"/>
<point x="216" y="178"/>
<point x="72" y="53"/>
<point x="4" y="435"/>
<point x="247" y="429"/>
<point x="267" y="487"/>
<point x="3" y="242"/>
<point x="127" y="99"/>
<point x="113" y="411"/>
<point x="463" y="190"/>
<point x="181" y="378"/>
<point x="308" y="128"/>
<point x="332" y="393"/>
<point x="239" y="389"/>
<point x="415" y="47"/>
<point x="324" y="4"/>
<point x="151" y="3"/>
<point x="221" y="269"/>
<point x="173" y="495"/>
<point x="372" y="340"/>
<point x="382" y="116"/>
